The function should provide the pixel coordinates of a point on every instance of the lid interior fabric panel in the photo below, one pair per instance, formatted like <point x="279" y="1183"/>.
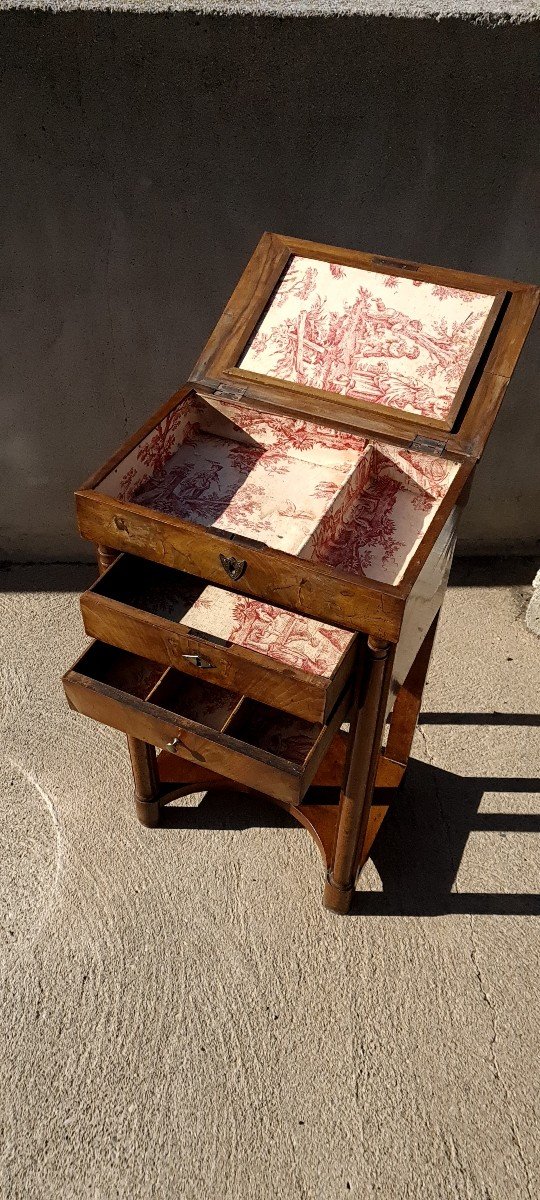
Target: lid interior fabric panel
<point x="401" y="343"/>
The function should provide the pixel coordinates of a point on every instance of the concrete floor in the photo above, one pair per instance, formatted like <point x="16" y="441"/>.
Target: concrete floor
<point x="227" y="1038"/>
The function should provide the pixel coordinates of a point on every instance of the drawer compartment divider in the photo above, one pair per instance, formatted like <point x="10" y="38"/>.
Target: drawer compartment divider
<point x="223" y="731"/>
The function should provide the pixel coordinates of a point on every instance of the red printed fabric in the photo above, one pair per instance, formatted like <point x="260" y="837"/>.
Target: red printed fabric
<point x="312" y="491"/>
<point x="289" y="638"/>
<point x="401" y="343"/>
<point x="317" y="492"/>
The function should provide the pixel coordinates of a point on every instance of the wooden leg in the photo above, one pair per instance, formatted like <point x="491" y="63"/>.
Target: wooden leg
<point x="360" y="772"/>
<point x="105" y="557"/>
<point x="146" y="780"/>
<point x="400" y="738"/>
<point x="142" y="755"/>
<point x="408" y="702"/>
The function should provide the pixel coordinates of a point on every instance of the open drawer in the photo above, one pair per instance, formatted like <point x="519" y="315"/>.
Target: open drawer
<point x="218" y="729"/>
<point x="240" y="643"/>
<point x="326" y="433"/>
<point x="314" y="519"/>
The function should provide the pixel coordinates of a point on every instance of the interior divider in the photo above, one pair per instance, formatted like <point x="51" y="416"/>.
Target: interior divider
<point x="236" y="713"/>
<point x="162" y="680"/>
<point x="329" y="526"/>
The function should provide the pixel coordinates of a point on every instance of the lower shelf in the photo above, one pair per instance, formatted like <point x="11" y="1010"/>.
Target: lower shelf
<point x="318" y="812"/>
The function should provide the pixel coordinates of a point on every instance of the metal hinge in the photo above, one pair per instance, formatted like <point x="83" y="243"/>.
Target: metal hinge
<point x="229" y="391"/>
<point x="427" y="445"/>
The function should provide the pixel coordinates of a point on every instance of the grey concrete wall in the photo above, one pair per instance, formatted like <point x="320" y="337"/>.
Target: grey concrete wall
<point x="143" y="156"/>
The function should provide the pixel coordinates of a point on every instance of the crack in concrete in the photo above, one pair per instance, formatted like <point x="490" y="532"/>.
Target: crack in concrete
<point x="494" y="1059"/>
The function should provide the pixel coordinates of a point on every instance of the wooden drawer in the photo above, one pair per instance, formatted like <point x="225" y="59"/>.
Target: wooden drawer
<point x="312" y="519"/>
<point x="215" y="728"/>
<point x="327" y="431"/>
<point x="280" y="658"/>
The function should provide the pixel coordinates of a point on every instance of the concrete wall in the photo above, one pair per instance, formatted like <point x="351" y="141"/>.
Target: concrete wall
<point x="143" y="156"/>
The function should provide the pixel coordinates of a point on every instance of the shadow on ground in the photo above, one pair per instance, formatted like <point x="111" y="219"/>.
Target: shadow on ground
<point x="419" y="849"/>
<point x="422" y="841"/>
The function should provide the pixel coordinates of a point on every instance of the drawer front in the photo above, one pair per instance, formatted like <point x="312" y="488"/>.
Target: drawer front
<point x="301" y="668"/>
<point x="298" y="584"/>
<point x="233" y="736"/>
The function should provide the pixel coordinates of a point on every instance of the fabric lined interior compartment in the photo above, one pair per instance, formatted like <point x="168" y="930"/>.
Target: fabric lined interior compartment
<point x="120" y="669"/>
<point x="315" y="492"/>
<point x="278" y="733"/>
<point x="384" y="339"/>
<point x="260" y="480"/>
<point x="219" y="729"/>
<point x="195" y="699"/>
<point x="381" y="515"/>
<point x="228" y="617"/>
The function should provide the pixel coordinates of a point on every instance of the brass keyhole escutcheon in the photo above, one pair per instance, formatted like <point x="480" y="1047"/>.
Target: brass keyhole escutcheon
<point x="234" y="567"/>
<point x="197" y="661"/>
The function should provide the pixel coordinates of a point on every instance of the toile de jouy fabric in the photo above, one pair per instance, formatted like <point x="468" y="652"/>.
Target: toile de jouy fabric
<point x="268" y="495"/>
<point x="401" y="343"/>
<point x="320" y="493"/>
<point x="286" y="637"/>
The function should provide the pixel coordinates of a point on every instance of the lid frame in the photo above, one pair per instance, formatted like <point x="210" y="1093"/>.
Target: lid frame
<point x="462" y="433"/>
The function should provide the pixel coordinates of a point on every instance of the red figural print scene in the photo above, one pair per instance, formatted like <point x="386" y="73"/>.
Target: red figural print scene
<point x="275" y="543"/>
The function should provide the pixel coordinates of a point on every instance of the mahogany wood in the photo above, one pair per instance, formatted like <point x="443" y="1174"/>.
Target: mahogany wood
<point x="319" y="810"/>
<point x="357" y="793"/>
<point x="403" y="723"/>
<point x="177" y="771"/>
<point x="341" y="791"/>
<point x="156" y="783"/>
<point x="245" y="306"/>
<point x="497" y="351"/>
<point x="120" y="623"/>
<point x="142" y="756"/>
<point x="105" y="558"/>
<point x="311" y="588"/>
<point x="218" y="750"/>
<point x="489" y="284"/>
<point x="145" y="776"/>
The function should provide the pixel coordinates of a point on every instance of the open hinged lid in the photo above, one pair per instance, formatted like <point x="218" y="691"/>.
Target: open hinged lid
<point x="418" y="354"/>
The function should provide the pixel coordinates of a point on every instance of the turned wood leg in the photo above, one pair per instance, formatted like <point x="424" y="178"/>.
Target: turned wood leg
<point x="105" y="557"/>
<point x="360" y="772"/>
<point x="145" y="778"/>
<point x="142" y="755"/>
<point x="408" y="702"/>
